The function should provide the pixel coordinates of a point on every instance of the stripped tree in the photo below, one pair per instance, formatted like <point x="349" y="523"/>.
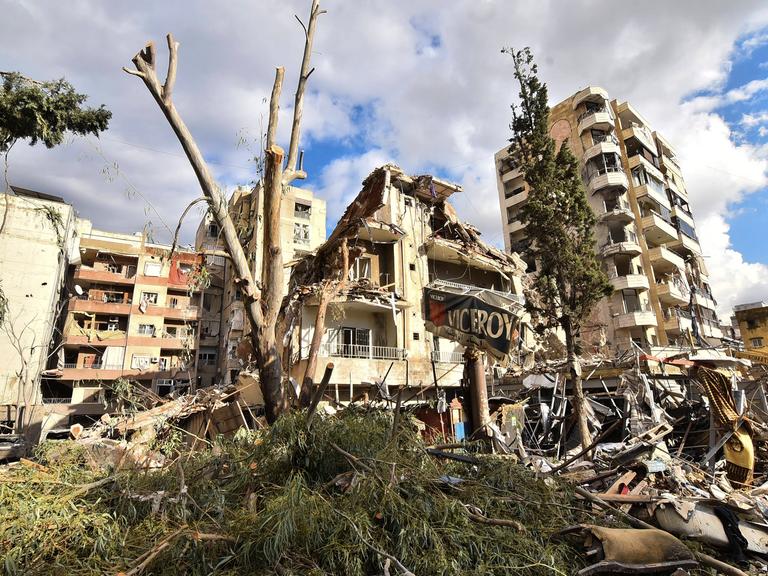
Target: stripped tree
<point x="560" y="224"/>
<point x="262" y="299"/>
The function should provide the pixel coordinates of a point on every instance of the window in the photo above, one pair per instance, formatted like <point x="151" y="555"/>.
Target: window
<point x="174" y="302"/>
<point x="408" y="202"/>
<point x="172" y="331"/>
<point x="162" y="364"/>
<point x="213" y="230"/>
<point x="238" y="294"/>
<point x="214" y="260"/>
<point x="147" y="329"/>
<point x="510" y="191"/>
<point x="185" y="268"/>
<point x="301" y="233"/>
<point x="412" y="267"/>
<point x="113" y="325"/>
<point x="301" y="210"/>
<point x="756" y="342"/>
<point x="355" y="342"/>
<point x="140" y="362"/>
<point x="207" y="358"/>
<point x="416" y="336"/>
<point x="152" y="268"/>
<point x="361" y="268"/>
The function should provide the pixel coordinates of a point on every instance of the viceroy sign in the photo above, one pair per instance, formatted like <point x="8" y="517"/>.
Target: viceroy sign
<point x="479" y="319"/>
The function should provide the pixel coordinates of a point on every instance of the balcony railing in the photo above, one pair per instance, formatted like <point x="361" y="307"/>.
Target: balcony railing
<point x="333" y="349"/>
<point x="610" y="138"/>
<point x="303" y="214"/>
<point x="598" y="110"/>
<point x="447" y="357"/>
<point x="94" y="366"/>
<point x="57" y="400"/>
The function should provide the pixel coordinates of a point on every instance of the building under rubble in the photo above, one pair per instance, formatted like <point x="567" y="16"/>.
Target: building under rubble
<point x="402" y="237"/>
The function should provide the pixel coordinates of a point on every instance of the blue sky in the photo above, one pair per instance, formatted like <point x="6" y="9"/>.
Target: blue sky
<point x="420" y="83"/>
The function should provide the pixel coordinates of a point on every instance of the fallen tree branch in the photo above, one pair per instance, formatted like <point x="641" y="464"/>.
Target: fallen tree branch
<point x="493" y="521"/>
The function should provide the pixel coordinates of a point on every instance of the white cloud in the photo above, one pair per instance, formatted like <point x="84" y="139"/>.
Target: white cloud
<point x="434" y="86"/>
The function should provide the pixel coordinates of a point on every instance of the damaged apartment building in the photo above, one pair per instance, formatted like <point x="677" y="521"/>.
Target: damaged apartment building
<point x="224" y="325"/>
<point x="646" y="235"/>
<point x="396" y="241"/>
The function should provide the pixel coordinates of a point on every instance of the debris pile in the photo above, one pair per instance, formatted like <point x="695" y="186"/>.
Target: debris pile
<point x="345" y="496"/>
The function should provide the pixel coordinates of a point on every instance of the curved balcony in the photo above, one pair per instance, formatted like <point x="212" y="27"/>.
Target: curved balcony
<point x="633" y="319"/>
<point x="658" y="230"/>
<point x="629" y="247"/>
<point x="604" y="147"/>
<point x="630" y="282"/>
<point x="598" y="120"/>
<point x="664" y="260"/>
<point x="621" y="214"/>
<point x="672" y="293"/>
<point x="607" y="179"/>
<point x="589" y="94"/>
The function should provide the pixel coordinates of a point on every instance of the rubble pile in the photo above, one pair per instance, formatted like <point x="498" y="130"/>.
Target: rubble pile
<point x="344" y="496"/>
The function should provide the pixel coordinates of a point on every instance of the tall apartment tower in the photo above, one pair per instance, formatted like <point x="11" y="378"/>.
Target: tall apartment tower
<point x="646" y="236"/>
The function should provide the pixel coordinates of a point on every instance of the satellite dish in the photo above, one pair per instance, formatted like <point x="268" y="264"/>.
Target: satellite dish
<point x="78" y="290"/>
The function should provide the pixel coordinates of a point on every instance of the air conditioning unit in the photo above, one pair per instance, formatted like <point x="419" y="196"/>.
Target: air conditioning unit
<point x="154" y="359"/>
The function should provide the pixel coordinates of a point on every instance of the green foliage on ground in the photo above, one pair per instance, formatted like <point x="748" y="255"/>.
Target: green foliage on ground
<point x="272" y="501"/>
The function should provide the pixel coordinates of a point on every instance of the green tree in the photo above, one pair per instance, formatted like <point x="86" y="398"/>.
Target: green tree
<point x="44" y="112"/>
<point x="560" y="224"/>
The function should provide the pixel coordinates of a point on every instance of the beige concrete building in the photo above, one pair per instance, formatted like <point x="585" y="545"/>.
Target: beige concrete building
<point x="132" y="313"/>
<point x="753" y="325"/>
<point x="223" y="321"/>
<point x="410" y="241"/>
<point x="646" y="234"/>
<point x="37" y="241"/>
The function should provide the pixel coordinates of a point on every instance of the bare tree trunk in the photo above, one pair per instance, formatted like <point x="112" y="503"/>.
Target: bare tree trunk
<point x="574" y="369"/>
<point x="327" y="291"/>
<point x="264" y="339"/>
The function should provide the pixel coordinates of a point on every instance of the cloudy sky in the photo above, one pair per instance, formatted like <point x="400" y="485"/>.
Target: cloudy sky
<point x="417" y="82"/>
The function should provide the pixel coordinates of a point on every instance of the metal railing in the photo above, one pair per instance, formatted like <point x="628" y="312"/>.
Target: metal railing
<point x="94" y="366"/>
<point x="303" y="214"/>
<point x="334" y="349"/>
<point x="447" y="357"/>
<point x="57" y="400"/>
<point x="599" y="110"/>
<point x="600" y="138"/>
<point x="436" y="283"/>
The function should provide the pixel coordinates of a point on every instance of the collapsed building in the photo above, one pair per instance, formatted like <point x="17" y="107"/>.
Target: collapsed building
<point x="367" y="288"/>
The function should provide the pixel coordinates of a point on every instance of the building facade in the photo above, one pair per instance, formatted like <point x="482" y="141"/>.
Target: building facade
<point x="223" y="323"/>
<point x="646" y="235"/>
<point x="753" y="325"/>
<point x="406" y="238"/>
<point x="37" y="243"/>
<point x="132" y="313"/>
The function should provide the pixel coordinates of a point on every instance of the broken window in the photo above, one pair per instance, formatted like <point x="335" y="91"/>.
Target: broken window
<point x="301" y="210"/>
<point x="301" y="233"/>
<point x="207" y="358"/>
<point x="149" y="297"/>
<point x="361" y="268"/>
<point x="147" y="329"/>
<point x="756" y="342"/>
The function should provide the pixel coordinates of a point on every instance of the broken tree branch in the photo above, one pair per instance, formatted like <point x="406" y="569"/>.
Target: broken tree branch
<point x="291" y="173"/>
<point x="181" y="221"/>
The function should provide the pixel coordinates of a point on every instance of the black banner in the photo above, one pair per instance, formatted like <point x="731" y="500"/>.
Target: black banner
<point x="471" y="320"/>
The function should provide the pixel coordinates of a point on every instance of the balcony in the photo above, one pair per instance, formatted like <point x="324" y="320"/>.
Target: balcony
<point x="683" y="215"/>
<point x="686" y="245"/>
<point x="677" y="321"/>
<point x="94" y="306"/>
<point x="447" y="357"/>
<point x="174" y="313"/>
<point x="640" y="160"/>
<point x="710" y="329"/>
<point x="653" y="191"/>
<point x="672" y="293"/>
<point x="620" y="214"/>
<point x="704" y="301"/>
<point x="514" y="226"/>
<point x="639" y="318"/>
<point x="658" y="230"/>
<point x="630" y="281"/>
<point x="166" y="342"/>
<point x="641" y="133"/>
<point x="607" y="146"/>
<point x="600" y="119"/>
<point x="590" y="94"/>
<point x="628" y="246"/>
<point x="607" y="178"/>
<point x="125" y="276"/>
<point x="664" y="260"/>
<point x="334" y="349"/>
<point x="96" y="371"/>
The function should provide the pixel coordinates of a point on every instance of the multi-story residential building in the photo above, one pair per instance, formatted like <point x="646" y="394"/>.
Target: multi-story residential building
<point x="132" y="313"/>
<point x="408" y="239"/>
<point x="646" y="235"/>
<point x="223" y="322"/>
<point x="753" y="325"/>
<point x="37" y="243"/>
